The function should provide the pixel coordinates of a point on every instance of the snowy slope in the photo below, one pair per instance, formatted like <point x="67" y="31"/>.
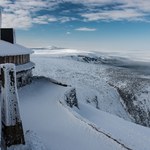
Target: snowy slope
<point x="85" y="77"/>
<point x="60" y="127"/>
<point x="56" y="126"/>
<point x="90" y="81"/>
<point x="126" y="80"/>
<point x="130" y="135"/>
<point x="45" y="112"/>
<point x="100" y="121"/>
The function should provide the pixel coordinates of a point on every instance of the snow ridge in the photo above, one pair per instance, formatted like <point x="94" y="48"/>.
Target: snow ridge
<point x="97" y="129"/>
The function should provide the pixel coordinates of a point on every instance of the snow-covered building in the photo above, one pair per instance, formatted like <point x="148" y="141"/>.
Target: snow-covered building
<point x="10" y="52"/>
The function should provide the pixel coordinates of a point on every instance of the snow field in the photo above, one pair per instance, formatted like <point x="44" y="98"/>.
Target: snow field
<point x="97" y="124"/>
<point x="87" y="77"/>
<point x="56" y="126"/>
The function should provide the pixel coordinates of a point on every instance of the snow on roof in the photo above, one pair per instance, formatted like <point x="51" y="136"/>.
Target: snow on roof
<point x="9" y="49"/>
<point x="24" y="67"/>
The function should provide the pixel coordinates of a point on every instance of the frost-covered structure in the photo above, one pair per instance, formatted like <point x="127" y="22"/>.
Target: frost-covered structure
<point x="11" y="124"/>
<point x="10" y="52"/>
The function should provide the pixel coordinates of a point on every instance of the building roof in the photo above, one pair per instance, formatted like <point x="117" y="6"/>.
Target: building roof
<point x="24" y="67"/>
<point x="9" y="49"/>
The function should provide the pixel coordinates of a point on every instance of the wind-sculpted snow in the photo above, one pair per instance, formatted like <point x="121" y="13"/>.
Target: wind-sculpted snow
<point x="131" y="79"/>
<point x="121" y="85"/>
<point x="87" y="78"/>
<point x="135" y="90"/>
<point x="52" y="125"/>
<point x="129" y="135"/>
<point x="105" y="93"/>
<point x="93" y="112"/>
<point x="56" y="127"/>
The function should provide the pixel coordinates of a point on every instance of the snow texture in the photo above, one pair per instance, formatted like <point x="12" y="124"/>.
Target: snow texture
<point x="85" y="77"/>
<point x="24" y="67"/>
<point x="56" y="126"/>
<point x="121" y="85"/>
<point x="45" y="112"/>
<point x="9" y="105"/>
<point x="99" y="122"/>
<point x="9" y="49"/>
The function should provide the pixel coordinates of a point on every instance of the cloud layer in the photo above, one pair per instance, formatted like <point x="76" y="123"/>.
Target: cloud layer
<point x="24" y="14"/>
<point x="85" y="29"/>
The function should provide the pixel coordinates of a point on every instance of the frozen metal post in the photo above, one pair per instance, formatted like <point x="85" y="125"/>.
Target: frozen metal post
<point x="11" y="124"/>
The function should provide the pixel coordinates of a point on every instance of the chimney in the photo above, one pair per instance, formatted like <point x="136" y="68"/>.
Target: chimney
<point x="8" y="34"/>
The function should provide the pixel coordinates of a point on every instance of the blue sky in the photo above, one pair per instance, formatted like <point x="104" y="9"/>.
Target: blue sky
<point x="105" y="25"/>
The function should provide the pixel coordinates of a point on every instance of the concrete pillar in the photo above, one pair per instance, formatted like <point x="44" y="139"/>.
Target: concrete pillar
<point x="11" y="124"/>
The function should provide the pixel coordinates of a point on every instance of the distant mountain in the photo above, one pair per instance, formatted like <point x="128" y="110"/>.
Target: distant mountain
<point x="48" y="48"/>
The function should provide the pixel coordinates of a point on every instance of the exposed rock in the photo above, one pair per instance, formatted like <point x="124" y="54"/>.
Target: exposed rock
<point x="71" y="98"/>
<point x="134" y="92"/>
<point x="94" y="101"/>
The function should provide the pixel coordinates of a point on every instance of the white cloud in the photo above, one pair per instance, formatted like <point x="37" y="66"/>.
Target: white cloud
<point x="142" y="4"/>
<point x="4" y="2"/>
<point x="128" y="14"/>
<point x="92" y="1"/>
<point x="52" y="19"/>
<point x="22" y="13"/>
<point x="12" y="21"/>
<point x="64" y="19"/>
<point x="67" y="19"/>
<point x="68" y="33"/>
<point x="131" y="10"/>
<point x="85" y="29"/>
<point x="45" y="19"/>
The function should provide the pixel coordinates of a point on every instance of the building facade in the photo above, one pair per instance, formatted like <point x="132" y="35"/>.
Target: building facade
<point x="10" y="52"/>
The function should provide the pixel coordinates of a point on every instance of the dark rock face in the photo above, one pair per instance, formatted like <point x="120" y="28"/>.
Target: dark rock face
<point x="140" y="115"/>
<point x="71" y="98"/>
<point x="94" y="100"/>
<point x="98" y="60"/>
<point x="132" y="81"/>
<point x="134" y="91"/>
